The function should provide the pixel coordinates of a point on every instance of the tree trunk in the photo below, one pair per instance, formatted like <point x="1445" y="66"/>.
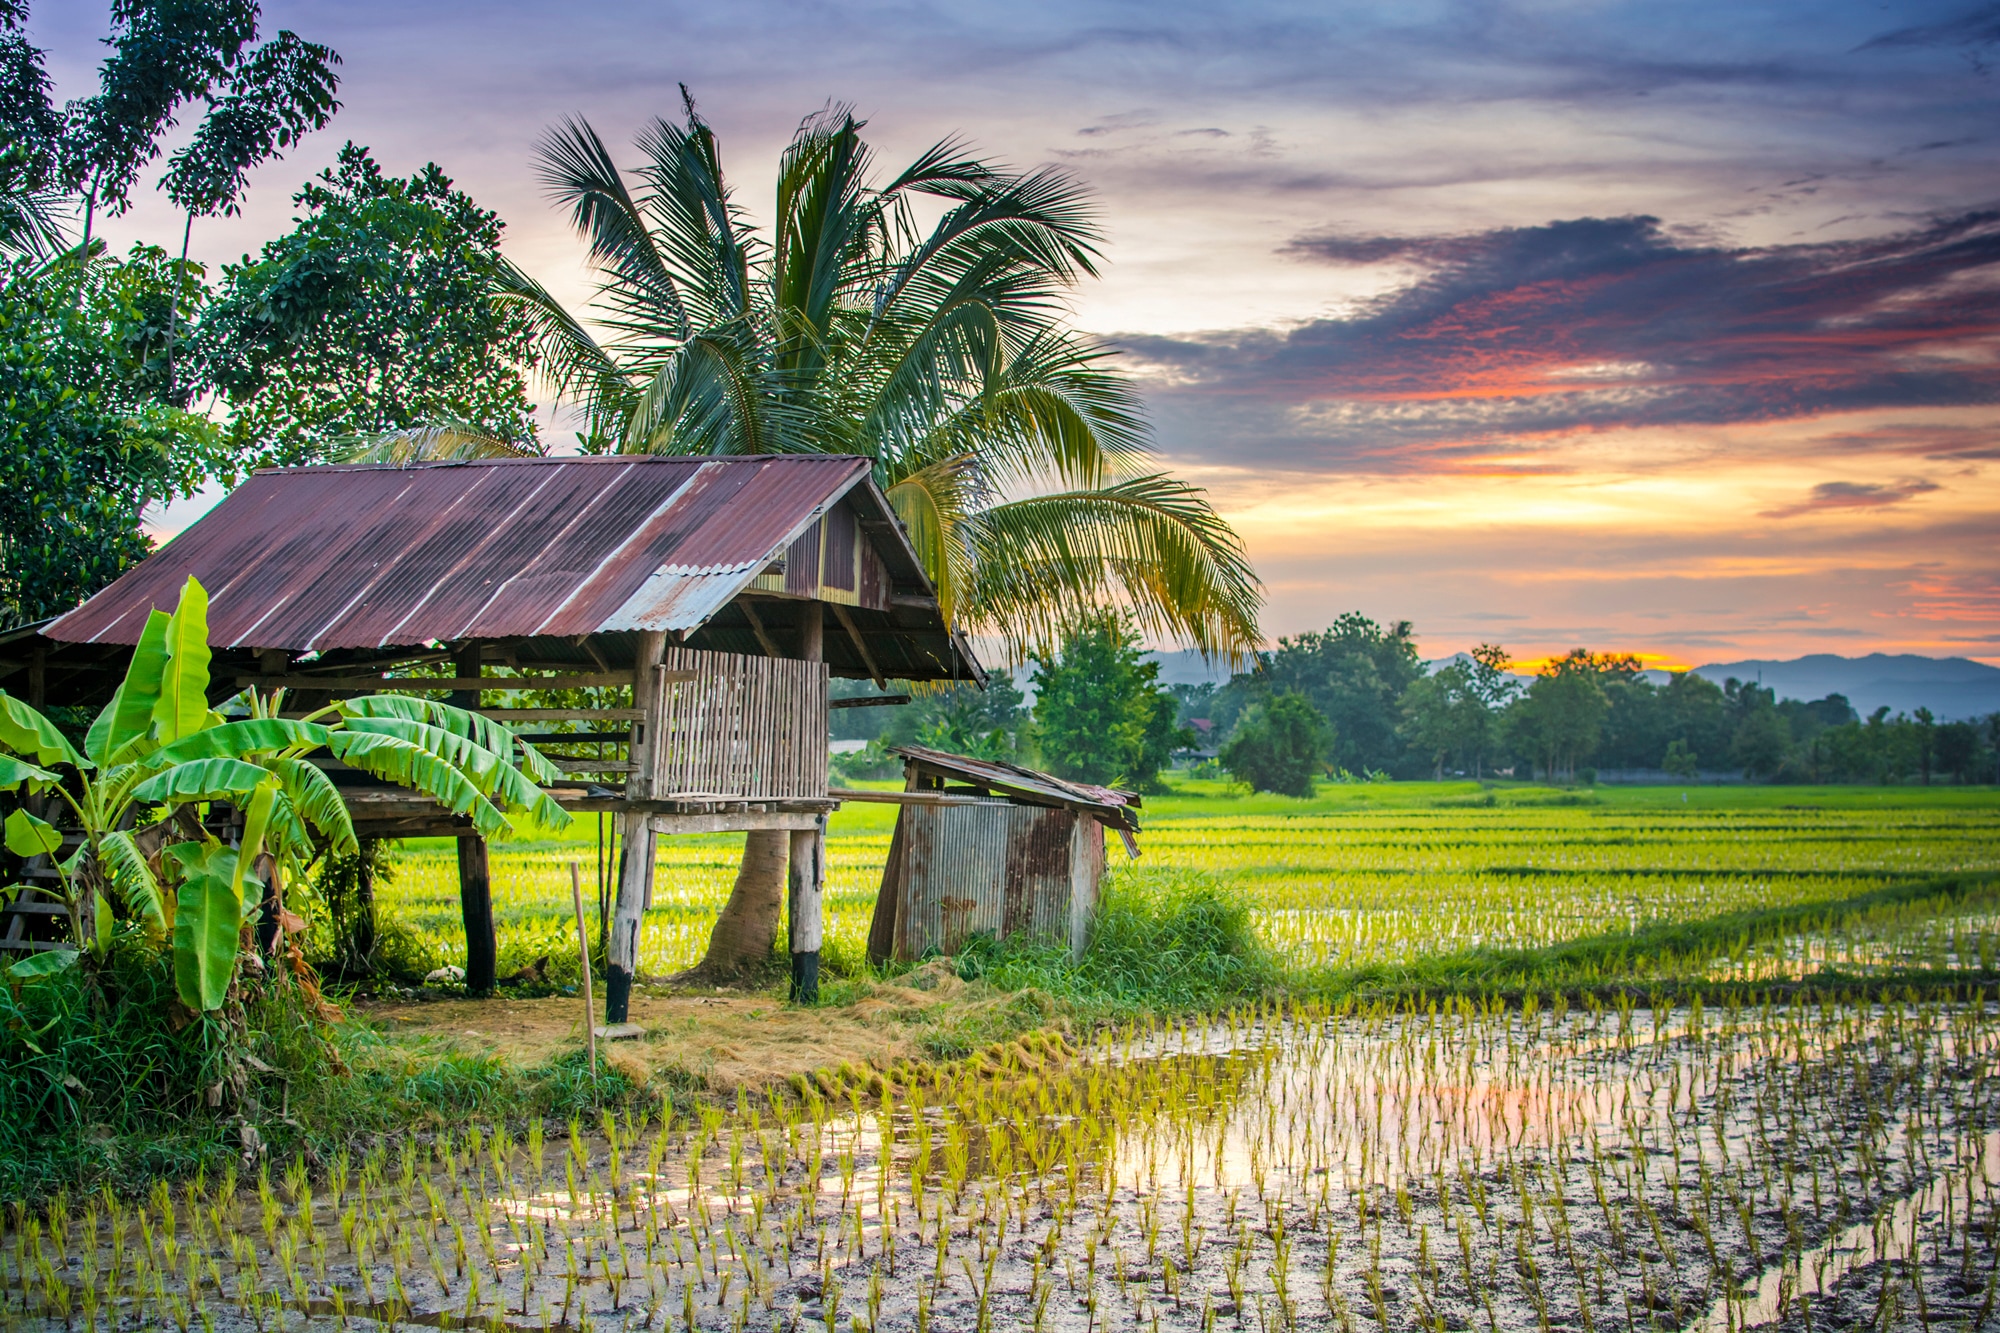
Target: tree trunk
<point x="747" y="931"/>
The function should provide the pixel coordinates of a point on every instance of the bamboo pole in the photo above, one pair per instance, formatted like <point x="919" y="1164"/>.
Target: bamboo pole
<point x="583" y="953"/>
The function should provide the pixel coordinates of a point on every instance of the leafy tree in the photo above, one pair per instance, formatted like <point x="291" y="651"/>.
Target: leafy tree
<point x="1100" y="714"/>
<point x="1278" y="744"/>
<point x="167" y="54"/>
<point x="94" y="419"/>
<point x="374" y="313"/>
<point x="1561" y="716"/>
<point x="1681" y="761"/>
<point x="1354" y="672"/>
<point x="1452" y="712"/>
<point x="86" y="444"/>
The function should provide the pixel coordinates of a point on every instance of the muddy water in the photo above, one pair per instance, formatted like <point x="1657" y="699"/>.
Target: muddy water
<point x="1452" y="1170"/>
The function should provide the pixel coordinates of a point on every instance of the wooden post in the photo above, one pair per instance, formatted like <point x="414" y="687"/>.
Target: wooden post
<point x="805" y="880"/>
<point x="475" y="907"/>
<point x="475" y="882"/>
<point x="635" y="865"/>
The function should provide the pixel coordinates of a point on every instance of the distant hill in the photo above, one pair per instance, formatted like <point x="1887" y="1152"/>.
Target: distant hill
<point x="1951" y="687"/>
<point x="1186" y="667"/>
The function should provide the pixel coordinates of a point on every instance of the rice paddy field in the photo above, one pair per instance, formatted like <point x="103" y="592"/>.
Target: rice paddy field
<point x="1762" y="1155"/>
<point x="1387" y="875"/>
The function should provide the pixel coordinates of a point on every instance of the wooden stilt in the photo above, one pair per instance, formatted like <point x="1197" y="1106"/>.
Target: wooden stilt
<point x="806" y="884"/>
<point x="475" y="881"/>
<point x="805" y="877"/>
<point x="475" y="905"/>
<point x="635" y="867"/>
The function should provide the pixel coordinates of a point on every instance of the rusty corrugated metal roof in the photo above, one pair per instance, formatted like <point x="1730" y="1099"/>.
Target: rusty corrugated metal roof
<point x="1106" y="803"/>
<point x="367" y="556"/>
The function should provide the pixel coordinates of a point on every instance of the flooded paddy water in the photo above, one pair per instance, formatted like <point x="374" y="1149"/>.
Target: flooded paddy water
<point x="1814" y="1164"/>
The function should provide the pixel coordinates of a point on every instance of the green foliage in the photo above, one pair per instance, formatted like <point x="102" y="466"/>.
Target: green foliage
<point x="208" y="915"/>
<point x="1100" y="714"/>
<point x="1561" y="716"/>
<point x="29" y="836"/>
<point x="87" y="442"/>
<point x="1354" y="672"/>
<point x="1278" y="744"/>
<point x="374" y="313"/>
<point x="1451" y="714"/>
<point x="1680" y="761"/>
<point x="100" y="1087"/>
<point x="159" y="750"/>
<point x="965" y="719"/>
<point x="1185" y="945"/>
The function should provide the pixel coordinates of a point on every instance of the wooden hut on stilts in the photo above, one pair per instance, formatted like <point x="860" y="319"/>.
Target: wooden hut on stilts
<point x="722" y="592"/>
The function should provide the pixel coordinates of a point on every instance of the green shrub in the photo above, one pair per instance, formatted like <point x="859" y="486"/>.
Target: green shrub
<point x="1278" y="744"/>
<point x="1186" y="946"/>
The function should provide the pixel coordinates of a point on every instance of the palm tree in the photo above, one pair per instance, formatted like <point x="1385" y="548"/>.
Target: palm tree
<point x="1014" y="453"/>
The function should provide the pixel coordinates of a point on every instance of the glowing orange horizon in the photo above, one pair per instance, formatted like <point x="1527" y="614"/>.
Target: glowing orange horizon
<point x="1534" y="666"/>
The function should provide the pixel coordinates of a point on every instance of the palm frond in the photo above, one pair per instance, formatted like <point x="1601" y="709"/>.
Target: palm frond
<point x="439" y="442"/>
<point x="825" y="221"/>
<point x="572" y="362"/>
<point x="577" y="170"/>
<point x="701" y="235"/>
<point x="1150" y="545"/>
<point x="934" y="502"/>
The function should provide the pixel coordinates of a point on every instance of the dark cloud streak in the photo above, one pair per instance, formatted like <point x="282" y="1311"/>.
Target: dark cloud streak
<point x="1597" y="323"/>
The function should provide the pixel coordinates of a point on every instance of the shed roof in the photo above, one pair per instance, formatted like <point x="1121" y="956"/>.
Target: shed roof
<point x="371" y="556"/>
<point x="1109" y="804"/>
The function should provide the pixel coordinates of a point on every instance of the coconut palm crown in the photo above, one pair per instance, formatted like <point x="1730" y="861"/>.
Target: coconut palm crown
<point x="1014" y="453"/>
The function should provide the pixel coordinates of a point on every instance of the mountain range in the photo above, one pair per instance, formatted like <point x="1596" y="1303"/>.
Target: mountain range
<point x="1951" y="687"/>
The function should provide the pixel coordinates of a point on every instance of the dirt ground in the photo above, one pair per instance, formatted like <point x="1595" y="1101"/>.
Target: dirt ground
<point x="721" y="1039"/>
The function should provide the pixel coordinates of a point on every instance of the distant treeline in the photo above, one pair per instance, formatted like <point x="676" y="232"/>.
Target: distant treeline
<point x="1357" y="700"/>
<point x="1385" y="713"/>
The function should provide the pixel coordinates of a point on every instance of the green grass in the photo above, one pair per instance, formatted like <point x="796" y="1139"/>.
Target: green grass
<point x="1380" y="879"/>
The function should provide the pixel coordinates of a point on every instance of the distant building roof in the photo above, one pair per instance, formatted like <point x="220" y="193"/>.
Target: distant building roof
<point x="377" y="556"/>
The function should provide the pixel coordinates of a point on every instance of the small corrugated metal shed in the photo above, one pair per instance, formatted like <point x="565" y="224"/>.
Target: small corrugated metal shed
<point x="986" y="847"/>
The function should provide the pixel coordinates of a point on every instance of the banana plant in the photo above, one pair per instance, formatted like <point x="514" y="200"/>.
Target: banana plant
<point x="158" y="756"/>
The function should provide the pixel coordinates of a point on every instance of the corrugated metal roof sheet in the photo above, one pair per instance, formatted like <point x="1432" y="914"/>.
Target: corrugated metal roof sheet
<point x="375" y="555"/>
<point x="1107" y="803"/>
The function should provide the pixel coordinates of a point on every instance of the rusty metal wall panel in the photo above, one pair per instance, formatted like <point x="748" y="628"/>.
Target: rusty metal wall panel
<point x="839" y="533"/>
<point x="995" y="869"/>
<point x="802" y="564"/>
<point x="876" y="585"/>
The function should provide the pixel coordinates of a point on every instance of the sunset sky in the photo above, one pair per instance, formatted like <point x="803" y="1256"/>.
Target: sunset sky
<point x="1669" y="328"/>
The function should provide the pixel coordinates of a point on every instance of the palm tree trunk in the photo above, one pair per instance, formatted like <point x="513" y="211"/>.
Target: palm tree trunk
<point x="747" y="930"/>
